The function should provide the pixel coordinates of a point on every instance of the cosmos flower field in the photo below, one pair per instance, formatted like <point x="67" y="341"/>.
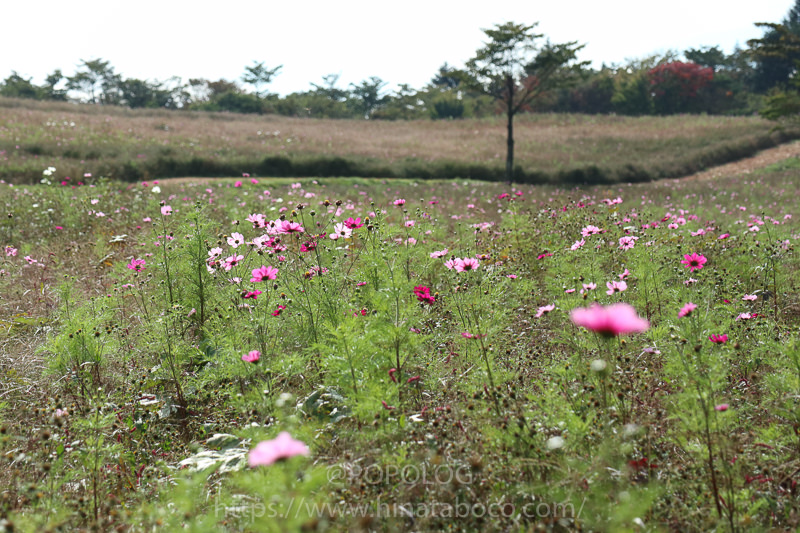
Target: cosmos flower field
<point x="388" y="355"/>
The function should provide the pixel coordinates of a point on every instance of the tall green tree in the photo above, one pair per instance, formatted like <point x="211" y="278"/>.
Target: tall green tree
<point x="97" y="82"/>
<point x="514" y="69"/>
<point x="368" y="96"/>
<point x="259" y="76"/>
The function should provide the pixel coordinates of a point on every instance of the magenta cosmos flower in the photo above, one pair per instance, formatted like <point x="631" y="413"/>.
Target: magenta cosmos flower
<point x="694" y="261"/>
<point x="264" y="273"/>
<point x="609" y="321"/>
<point x="718" y="339"/>
<point x="137" y="264"/>
<point x="282" y="447"/>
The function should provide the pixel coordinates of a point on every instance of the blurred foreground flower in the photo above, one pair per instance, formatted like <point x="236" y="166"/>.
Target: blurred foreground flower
<point x="609" y="321"/>
<point x="270" y="451"/>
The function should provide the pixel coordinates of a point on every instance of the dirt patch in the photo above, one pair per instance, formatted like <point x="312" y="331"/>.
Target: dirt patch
<point x="762" y="159"/>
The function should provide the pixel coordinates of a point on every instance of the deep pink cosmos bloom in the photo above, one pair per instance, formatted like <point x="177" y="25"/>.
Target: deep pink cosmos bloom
<point x="424" y="295"/>
<point x="264" y="273"/>
<point x="251" y="357"/>
<point x="353" y="223"/>
<point x="468" y="263"/>
<point x="279" y="310"/>
<point x="251" y="294"/>
<point x="718" y="339"/>
<point x="269" y="451"/>
<point x="694" y="261"/>
<point x="609" y="321"/>
<point x="137" y="264"/>
<point x="687" y="309"/>
<point x="721" y="407"/>
<point x="399" y="202"/>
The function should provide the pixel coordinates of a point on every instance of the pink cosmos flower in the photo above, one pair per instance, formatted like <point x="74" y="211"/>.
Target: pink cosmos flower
<point x="251" y="294"/>
<point x="590" y="230"/>
<point x="724" y="236"/>
<point x="687" y="309"/>
<point x="232" y="261"/>
<point x="237" y="184"/>
<point x="468" y="335"/>
<point x="577" y="244"/>
<point x="451" y="263"/>
<point x="279" y="310"/>
<point x="625" y="274"/>
<point x="616" y="286"/>
<point x="718" y="339"/>
<point x="744" y="316"/>
<point x="439" y="253"/>
<point x="251" y="357"/>
<point x="235" y="240"/>
<point x="264" y="273"/>
<point x="137" y="264"/>
<point x="721" y="407"/>
<point x="399" y="202"/>
<point x="409" y="223"/>
<point x="290" y="227"/>
<point x="694" y="261"/>
<point x="468" y="263"/>
<point x="341" y="230"/>
<point x="11" y="251"/>
<point x="609" y="321"/>
<point x="626" y="243"/>
<point x="270" y="451"/>
<point x="166" y="210"/>
<point x="544" y="310"/>
<point x="750" y="297"/>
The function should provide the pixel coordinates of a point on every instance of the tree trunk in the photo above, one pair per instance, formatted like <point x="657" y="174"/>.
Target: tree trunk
<point x="510" y="129"/>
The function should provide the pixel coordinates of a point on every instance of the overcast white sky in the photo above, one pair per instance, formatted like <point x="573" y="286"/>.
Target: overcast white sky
<point x="400" y="42"/>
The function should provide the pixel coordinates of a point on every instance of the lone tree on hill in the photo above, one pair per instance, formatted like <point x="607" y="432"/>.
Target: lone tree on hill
<point x="259" y="76"/>
<point x="511" y="68"/>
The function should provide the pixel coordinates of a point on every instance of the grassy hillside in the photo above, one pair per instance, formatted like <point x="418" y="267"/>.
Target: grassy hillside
<point x="145" y="144"/>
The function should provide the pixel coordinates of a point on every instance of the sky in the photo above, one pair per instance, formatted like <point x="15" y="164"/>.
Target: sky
<point x="399" y="42"/>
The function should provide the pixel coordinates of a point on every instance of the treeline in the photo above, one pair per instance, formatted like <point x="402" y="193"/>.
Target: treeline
<point x="701" y="80"/>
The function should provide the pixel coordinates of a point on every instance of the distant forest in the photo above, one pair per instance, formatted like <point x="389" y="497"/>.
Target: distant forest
<point x="759" y="78"/>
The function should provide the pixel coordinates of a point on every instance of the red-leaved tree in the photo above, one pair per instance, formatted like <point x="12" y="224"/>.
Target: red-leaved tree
<point x="675" y="85"/>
